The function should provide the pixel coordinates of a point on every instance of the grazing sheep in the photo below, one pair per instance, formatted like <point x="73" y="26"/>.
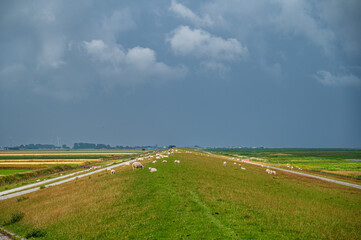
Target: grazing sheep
<point x="234" y="163"/>
<point x="239" y="164"/>
<point x="127" y="163"/>
<point x="152" y="169"/>
<point x="112" y="171"/>
<point x="243" y="168"/>
<point x="137" y="165"/>
<point x="224" y="163"/>
<point x="270" y="171"/>
<point x="155" y="161"/>
<point x="164" y="161"/>
<point x="176" y="161"/>
<point x="38" y="180"/>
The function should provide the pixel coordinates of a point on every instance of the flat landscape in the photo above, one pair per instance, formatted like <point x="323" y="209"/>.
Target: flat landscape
<point x="199" y="198"/>
<point x="336" y="162"/>
<point x="17" y="166"/>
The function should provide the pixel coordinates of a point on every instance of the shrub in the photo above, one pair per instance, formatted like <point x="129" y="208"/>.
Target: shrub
<point x="15" y="217"/>
<point x="36" y="232"/>
<point x="22" y="198"/>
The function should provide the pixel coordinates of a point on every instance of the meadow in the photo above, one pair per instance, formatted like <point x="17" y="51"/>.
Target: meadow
<point x="196" y="199"/>
<point x="329" y="161"/>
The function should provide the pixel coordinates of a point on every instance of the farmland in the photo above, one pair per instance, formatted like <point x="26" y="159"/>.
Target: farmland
<point x="21" y="165"/>
<point x="337" y="162"/>
<point x="196" y="199"/>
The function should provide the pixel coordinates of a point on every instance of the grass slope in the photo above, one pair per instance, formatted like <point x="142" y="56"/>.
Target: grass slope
<point x="322" y="160"/>
<point x="198" y="198"/>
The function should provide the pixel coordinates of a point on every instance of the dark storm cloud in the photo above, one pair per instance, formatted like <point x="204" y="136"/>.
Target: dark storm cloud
<point x="277" y="73"/>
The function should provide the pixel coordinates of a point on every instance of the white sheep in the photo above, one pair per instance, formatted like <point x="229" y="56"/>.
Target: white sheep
<point x="152" y="169"/>
<point x="224" y="163"/>
<point x="127" y="163"/>
<point x="243" y="168"/>
<point x="155" y="161"/>
<point x="137" y="165"/>
<point x="164" y="161"/>
<point x="112" y="171"/>
<point x="176" y="161"/>
<point x="234" y="163"/>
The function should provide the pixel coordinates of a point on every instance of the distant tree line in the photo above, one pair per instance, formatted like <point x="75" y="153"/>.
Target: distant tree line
<point x="81" y="145"/>
<point x="33" y="146"/>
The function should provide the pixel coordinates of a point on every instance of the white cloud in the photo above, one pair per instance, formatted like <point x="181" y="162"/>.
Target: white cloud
<point x="137" y="63"/>
<point x="189" y="15"/>
<point x="251" y="19"/>
<point x="201" y="44"/>
<point x="327" y="79"/>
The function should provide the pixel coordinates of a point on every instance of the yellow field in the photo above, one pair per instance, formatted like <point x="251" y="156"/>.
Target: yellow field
<point x="37" y="163"/>
<point x="66" y="153"/>
<point x="47" y="160"/>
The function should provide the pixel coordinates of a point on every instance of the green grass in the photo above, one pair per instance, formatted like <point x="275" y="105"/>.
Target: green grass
<point x="311" y="159"/>
<point x="13" y="171"/>
<point x="196" y="199"/>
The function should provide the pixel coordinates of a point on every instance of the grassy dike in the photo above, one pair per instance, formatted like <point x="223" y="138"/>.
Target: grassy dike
<point x="198" y="198"/>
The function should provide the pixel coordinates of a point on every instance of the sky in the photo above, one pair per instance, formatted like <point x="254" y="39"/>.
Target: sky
<point x="279" y="73"/>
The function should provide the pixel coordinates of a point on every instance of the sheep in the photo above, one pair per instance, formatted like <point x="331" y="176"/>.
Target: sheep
<point x="155" y="161"/>
<point x="127" y="163"/>
<point x="243" y="168"/>
<point x="270" y="171"/>
<point x="164" y="161"/>
<point x="112" y="171"/>
<point x="234" y="163"/>
<point x="176" y="161"/>
<point x="137" y="165"/>
<point x="152" y="169"/>
<point x="224" y="163"/>
<point x="38" y="180"/>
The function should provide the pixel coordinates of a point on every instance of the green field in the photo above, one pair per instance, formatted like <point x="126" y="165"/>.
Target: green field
<point x="13" y="171"/>
<point x="322" y="160"/>
<point x="196" y="199"/>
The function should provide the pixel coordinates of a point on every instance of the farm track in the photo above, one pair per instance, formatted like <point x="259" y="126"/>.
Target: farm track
<point x="52" y="182"/>
<point x="299" y="173"/>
